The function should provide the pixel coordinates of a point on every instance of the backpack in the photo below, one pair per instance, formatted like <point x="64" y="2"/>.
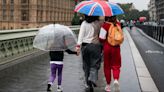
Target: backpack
<point x="115" y="35"/>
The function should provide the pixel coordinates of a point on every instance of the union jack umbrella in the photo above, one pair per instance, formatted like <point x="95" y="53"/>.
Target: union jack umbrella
<point x="98" y="8"/>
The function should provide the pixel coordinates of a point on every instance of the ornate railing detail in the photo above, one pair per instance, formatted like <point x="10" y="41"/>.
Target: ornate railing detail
<point x="156" y="32"/>
<point x="18" y="42"/>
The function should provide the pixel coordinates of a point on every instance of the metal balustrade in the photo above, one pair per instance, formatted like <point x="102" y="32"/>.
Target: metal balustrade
<point x="156" y="32"/>
<point x="17" y="42"/>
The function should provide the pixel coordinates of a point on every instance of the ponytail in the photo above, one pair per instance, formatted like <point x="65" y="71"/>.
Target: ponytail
<point x="111" y="19"/>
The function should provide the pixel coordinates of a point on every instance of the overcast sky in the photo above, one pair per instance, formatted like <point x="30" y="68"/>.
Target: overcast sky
<point x="139" y="4"/>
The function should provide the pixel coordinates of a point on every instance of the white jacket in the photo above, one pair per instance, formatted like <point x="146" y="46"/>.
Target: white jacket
<point x="89" y="32"/>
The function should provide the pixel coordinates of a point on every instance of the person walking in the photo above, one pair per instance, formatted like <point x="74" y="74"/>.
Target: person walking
<point x="112" y="56"/>
<point x="56" y="39"/>
<point x="56" y="64"/>
<point x="91" y="50"/>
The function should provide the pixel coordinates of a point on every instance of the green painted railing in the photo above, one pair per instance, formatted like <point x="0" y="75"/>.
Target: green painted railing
<point x="17" y="42"/>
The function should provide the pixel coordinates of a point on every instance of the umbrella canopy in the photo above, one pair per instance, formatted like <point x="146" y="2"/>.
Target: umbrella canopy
<point x="55" y="37"/>
<point x="98" y="8"/>
<point x="142" y="19"/>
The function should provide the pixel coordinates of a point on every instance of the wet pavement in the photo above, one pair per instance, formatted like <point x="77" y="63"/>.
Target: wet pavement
<point x="31" y="74"/>
<point x="128" y="78"/>
<point x="153" y="56"/>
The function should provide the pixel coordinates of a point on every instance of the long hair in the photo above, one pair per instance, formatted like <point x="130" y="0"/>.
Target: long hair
<point x="112" y="19"/>
<point x="91" y="19"/>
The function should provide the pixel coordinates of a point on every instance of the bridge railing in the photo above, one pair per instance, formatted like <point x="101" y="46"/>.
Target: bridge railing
<point x="156" y="32"/>
<point x="18" y="42"/>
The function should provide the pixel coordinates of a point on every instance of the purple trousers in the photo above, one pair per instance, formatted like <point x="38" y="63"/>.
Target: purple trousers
<point x="56" y="68"/>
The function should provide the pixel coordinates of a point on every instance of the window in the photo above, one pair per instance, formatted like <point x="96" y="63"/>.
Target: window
<point x="4" y="2"/>
<point x="4" y="28"/>
<point x="11" y="14"/>
<point x="37" y="15"/>
<point x="41" y="16"/>
<point x="24" y="1"/>
<point x="12" y="4"/>
<point x="24" y="15"/>
<point x="12" y="1"/>
<point x="4" y="14"/>
<point x="11" y="9"/>
<point x="25" y="10"/>
<point x="41" y="2"/>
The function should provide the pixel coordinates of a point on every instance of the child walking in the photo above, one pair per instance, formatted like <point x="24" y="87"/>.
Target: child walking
<point x="56" y="64"/>
<point x="56" y="39"/>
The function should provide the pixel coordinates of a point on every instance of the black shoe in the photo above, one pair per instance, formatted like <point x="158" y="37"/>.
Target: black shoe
<point x="49" y="87"/>
<point x="94" y="84"/>
<point x="89" y="89"/>
<point x="90" y="84"/>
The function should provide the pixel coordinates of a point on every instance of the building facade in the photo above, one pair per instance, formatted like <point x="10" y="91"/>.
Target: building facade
<point x="160" y="9"/>
<point x="152" y="10"/>
<point x="20" y="14"/>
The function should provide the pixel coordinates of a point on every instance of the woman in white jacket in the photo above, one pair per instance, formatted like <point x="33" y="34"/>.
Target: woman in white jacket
<point x="88" y="41"/>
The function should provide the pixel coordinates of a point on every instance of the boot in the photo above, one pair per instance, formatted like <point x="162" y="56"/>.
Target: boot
<point x="49" y="87"/>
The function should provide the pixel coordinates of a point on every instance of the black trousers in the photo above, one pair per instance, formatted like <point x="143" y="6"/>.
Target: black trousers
<point x="91" y="54"/>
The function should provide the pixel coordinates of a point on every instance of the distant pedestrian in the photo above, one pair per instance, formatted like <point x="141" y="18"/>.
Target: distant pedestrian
<point x="91" y="50"/>
<point x="56" y="64"/>
<point x="112" y="56"/>
<point x="131" y="24"/>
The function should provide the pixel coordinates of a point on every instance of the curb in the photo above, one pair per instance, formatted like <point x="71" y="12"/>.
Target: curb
<point x="162" y="45"/>
<point x="145" y="80"/>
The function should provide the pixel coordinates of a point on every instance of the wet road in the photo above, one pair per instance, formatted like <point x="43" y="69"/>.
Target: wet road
<point x="32" y="74"/>
<point x="153" y="55"/>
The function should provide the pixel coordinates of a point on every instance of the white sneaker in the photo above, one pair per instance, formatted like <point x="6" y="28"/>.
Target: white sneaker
<point x="107" y="88"/>
<point x="116" y="86"/>
<point x="59" y="88"/>
<point x="86" y="86"/>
